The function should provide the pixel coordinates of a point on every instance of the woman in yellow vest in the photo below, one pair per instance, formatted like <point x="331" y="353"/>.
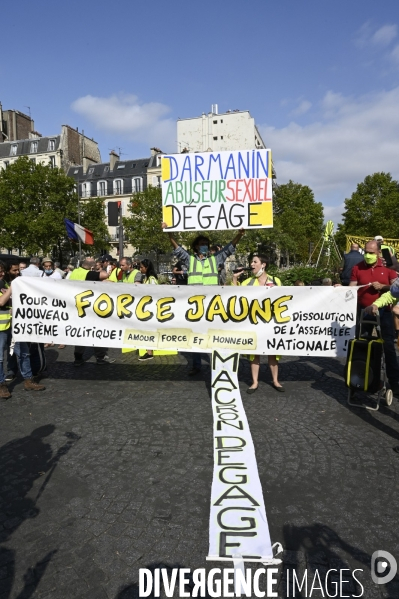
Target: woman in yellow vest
<point x="260" y="277"/>
<point x="149" y="277"/>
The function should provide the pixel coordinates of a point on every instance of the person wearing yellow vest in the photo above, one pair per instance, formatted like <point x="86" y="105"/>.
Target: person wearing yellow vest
<point x="202" y="268"/>
<point x="21" y="348"/>
<point x="149" y="277"/>
<point x="85" y="273"/>
<point x="260" y="277"/>
<point x="126" y="273"/>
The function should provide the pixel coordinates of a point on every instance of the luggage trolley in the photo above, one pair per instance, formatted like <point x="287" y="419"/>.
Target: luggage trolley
<point x="365" y="364"/>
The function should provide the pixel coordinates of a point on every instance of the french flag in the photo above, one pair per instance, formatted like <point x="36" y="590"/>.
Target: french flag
<point x="76" y="232"/>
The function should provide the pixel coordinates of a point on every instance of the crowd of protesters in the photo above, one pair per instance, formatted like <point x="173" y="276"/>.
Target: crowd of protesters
<point x="374" y="270"/>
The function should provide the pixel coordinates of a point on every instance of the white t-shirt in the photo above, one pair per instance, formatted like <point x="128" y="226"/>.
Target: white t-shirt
<point x="32" y="271"/>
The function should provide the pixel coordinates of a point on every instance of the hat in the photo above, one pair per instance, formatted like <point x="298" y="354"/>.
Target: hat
<point x="378" y="238"/>
<point x="106" y="258"/>
<point x="47" y="259"/>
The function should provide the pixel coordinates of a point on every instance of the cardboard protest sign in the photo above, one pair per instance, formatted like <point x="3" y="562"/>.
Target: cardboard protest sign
<point x="251" y="320"/>
<point x="217" y="190"/>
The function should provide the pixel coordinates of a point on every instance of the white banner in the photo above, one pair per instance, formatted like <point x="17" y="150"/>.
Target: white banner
<point x="300" y="321"/>
<point x="217" y="190"/>
<point x="238" y="526"/>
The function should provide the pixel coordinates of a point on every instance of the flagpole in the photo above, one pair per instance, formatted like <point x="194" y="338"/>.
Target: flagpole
<point x="80" y="241"/>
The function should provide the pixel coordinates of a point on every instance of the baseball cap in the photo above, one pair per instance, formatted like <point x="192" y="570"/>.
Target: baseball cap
<point x="378" y="238"/>
<point x="106" y="257"/>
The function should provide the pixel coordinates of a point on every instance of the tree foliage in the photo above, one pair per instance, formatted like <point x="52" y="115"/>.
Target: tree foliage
<point x="373" y="209"/>
<point x="34" y="200"/>
<point x="298" y="220"/>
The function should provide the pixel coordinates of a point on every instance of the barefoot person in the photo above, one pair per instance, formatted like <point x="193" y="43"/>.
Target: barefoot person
<point x="260" y="277"/>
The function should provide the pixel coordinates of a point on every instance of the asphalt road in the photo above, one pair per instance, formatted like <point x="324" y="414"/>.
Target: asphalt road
<point x="109" y="470"/>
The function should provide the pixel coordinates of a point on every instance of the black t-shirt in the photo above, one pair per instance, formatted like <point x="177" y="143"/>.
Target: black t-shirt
<point x="180" y="279"/>
<point x="93" y="275"/>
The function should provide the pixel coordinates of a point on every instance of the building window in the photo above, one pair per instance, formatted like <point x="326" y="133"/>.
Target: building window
<point x="215" y="138"/>
<point x="33" y="147"/>
<point x="134" y="165"/>
<point x="6" y="163"/>
<point x="118" y="186"/>
<point x="52" y="161"/>
<point x="33" y="160"/>
<point x="215" y="122"/>
<point x="221" y="120"/>
<point x="91" y="171"/>
<point x="13" y="150"/>
<point x="86" y="191"/>
<point x="120" y="166"/>
<point x="51" y="145"/>
<point x="75" y="172"/>
<point x="137" y="184"/>
<point x="156" y="181"/>
<point x="159" y="160"/>
<point x="102" y="188"/>
<point x="221" y="137"/>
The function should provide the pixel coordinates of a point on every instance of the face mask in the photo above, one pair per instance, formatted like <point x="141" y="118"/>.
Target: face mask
<point x="203" y="249"/>
<point x="48" y="271"/>
<point x="370" y="258"/>
<point x="259" y="273"/>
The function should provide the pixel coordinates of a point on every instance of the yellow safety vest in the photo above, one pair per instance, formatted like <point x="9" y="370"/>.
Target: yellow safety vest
<point x="255" y="282"/>
<point x="125" y="279"/>
<point x="79" y="274"/>
<point x="203" y="273"/>
<point x="5" y="316"/>
<point x="150" y="281"/>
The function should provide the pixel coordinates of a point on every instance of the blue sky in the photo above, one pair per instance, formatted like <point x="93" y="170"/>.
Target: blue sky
<point x="321" y="78"/>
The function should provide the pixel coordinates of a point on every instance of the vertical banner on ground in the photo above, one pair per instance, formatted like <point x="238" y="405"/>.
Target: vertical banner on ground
<point x="217" y="190"/>
<point x="238" y="525"/>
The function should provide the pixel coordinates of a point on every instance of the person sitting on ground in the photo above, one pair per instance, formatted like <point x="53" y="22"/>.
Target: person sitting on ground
<point x="260" y="277"/>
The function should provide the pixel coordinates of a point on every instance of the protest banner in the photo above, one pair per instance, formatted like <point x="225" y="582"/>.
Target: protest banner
<point x="300" y="321"/>
<point x="361" y="241"/>
<point x="238" y="527"/>
<point x="217" y="190"/>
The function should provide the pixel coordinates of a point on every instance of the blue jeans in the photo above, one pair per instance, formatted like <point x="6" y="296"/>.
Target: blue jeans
<point x="21" y="350"/>
<point x="196" y="360"/>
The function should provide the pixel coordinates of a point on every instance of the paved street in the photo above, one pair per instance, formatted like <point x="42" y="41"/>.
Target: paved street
<point x="109" y="470"/>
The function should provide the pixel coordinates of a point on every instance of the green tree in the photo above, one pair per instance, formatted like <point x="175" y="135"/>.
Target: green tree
<point x="298" y="220"/>
<point x="34" y="200"/>
<point x="92" y="217"/>
<point x="143" y="228"/>
<point x="373" y="209"/>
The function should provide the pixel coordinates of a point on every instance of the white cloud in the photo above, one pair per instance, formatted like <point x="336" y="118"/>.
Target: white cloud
<point x="354" y="138"/>
<point x="368" y="36"/>
<point x="395" y="54"/>
<point x="125" y="116"/>
<point x="302" y="107"/>
<point x="362" y="35"/>
<point x="384" y="35"/>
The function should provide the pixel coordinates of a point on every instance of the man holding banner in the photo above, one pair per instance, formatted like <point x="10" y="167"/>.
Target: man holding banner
<point x="203" y="268"/>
